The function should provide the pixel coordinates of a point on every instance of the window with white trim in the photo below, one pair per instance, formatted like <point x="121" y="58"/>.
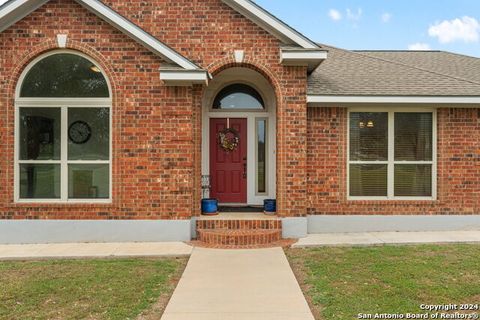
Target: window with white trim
<point x="238" y="96"/>
<point x="62" y="131"/>
<point x="392" y="155"/>
<point x="261" y="154"/>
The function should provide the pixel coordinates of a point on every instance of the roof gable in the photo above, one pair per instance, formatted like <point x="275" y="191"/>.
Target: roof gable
<point x="299" y="50"/>
<point x="15" y="10"/>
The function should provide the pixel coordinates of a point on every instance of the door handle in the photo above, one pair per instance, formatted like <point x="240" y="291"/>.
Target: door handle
<point x="244" y="170"/>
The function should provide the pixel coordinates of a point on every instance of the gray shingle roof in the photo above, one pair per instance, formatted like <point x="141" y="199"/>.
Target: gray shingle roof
<point x="395" y="73"/>
<point x="443" y="62"/>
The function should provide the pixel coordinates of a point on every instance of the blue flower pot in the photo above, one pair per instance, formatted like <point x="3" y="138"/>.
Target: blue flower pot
<point x="270" y="206"/>
<point x="209" y="206"/>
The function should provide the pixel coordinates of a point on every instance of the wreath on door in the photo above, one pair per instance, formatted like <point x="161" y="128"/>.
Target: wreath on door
<point x="228" y="139"/>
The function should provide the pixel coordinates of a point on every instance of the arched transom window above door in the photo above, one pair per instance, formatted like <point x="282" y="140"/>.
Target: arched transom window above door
<point x="62" y="130"/>
<point x="238" y="96"/>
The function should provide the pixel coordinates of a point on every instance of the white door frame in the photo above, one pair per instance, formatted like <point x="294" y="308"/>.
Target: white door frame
<point x="253" y="198"/>
<point x="264" y="88"/>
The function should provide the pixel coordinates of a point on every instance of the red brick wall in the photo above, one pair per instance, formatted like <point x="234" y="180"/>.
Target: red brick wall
<point x="208" y="34"/>
<point x="152" y="124"/>
<point x="156" y="129"/>
<point x="458" y="166"/>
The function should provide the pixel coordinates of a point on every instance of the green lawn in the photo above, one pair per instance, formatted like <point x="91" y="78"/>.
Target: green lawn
<point x="341" y="282"/>
<point x="86" y="289"/>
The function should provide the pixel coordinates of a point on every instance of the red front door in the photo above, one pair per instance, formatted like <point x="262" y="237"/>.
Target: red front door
<point x="228" y="169"/>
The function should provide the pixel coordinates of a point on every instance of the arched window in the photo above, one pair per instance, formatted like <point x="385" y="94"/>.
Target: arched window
<point x="63" y="143"/>
<point x="238" y="96"/>
<point x="64" y="75"/>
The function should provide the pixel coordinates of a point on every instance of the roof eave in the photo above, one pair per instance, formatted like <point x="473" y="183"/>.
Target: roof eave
<point x="309" y="58"/>
<point x="13" y="11"/>
<point x="270" y="23"/>
<point x="180" y="77"/>
<point x="357" y="99"/>
<point x="138" y="34"/>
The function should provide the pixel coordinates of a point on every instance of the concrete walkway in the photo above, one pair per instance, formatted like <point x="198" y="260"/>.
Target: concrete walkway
<point x="238" y="284"/>
<point x="93" y="250"/>
<point x="383" y="238"/>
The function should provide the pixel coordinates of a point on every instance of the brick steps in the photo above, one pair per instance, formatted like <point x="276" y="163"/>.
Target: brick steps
<point x="239" y="237"/>
<point x="285" y="243"/>
<point x="238" y="224"/>
<point x="238" y="233"/>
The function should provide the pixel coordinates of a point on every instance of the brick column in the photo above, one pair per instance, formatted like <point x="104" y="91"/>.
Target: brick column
<point x="197" y="94"/>
<point x="292" y="144"/>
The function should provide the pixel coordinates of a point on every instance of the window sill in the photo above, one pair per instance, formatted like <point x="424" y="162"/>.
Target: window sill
<point x="106" y="202"/>
<point x="376" y="200"/>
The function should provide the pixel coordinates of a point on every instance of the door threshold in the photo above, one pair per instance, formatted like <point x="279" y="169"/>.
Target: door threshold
<point x="238" y="208"/>
<point x="239" y="216"/>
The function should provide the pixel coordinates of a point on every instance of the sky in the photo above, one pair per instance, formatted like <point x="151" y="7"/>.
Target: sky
<point x="449" y="25"/>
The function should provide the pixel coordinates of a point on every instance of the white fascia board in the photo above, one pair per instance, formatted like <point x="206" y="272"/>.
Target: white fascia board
<point x="14" y="11"/>
<point x="135" y="32"/>
<point x="393" y="99"/>
<point x="269" y="22"/>
<point x="310" y="58"/>
<point x="303" y="55"/>
<point x="183" y="77"/>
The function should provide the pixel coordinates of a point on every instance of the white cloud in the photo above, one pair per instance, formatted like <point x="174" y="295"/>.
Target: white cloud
<point x="386" y="17"/>
<point x="465" y="29"/>
<point x="354" y="16"/>
<point x="419" y="46"/>
<point x="335" y="15"/>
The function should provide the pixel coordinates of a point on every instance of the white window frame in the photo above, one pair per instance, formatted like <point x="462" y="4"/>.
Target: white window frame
<point x="63" y="104"/>
<point x="257" y="120"/>
<point x="391" y="153"/>
<point x="239" y="110"/>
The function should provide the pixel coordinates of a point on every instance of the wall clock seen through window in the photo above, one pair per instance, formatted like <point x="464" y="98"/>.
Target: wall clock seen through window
<point x="79" y="132"/>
